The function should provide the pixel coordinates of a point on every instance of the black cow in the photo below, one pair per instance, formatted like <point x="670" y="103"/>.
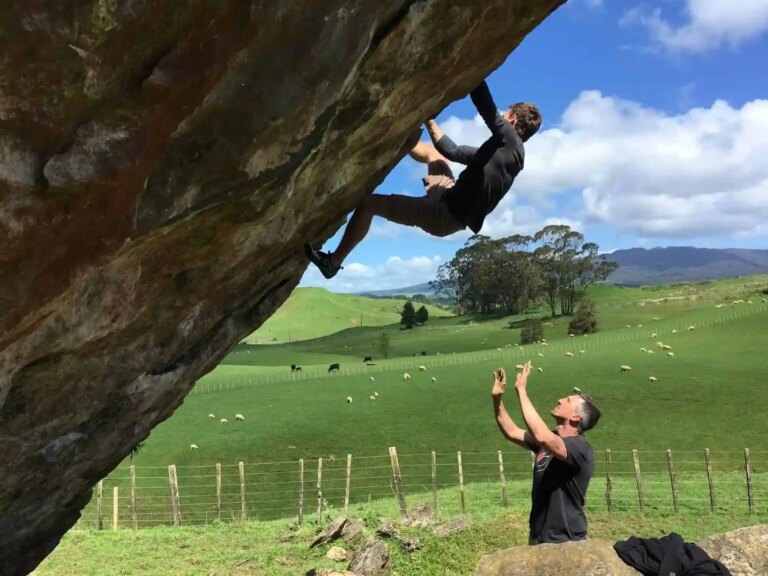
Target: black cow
<point x="367" y="359"/>
<point x="333" y="368"/>
<point x="423" y="353"/>
<point x="293" y="367"/>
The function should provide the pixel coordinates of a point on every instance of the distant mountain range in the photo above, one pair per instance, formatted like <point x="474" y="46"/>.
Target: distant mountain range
<point x="641" y="266"/>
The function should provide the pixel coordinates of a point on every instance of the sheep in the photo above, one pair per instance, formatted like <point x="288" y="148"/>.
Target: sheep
<point x="625" y="368"/>
<point x="239" y="417"/>
<point x="507" y="345"/>
<point x="224" y="421"/>
<point x="569" y="354"/>
<point x="691" y="328"/>
<point x="651" y="352"/>
<point x="498" y="349"/>
<point x="674" y="331"/>
<point x="434" y="379"/>
<point x="519" y="367"/>
<point x="651" y="378"/>
<point x="654" y="335"/>
<point x="541" y="355"/>
<point x="721" y="305"/>
<point x="540" y="369"/>
<point x="749" y="301"/>
<point x="544" y="344"/>
<point x="371" y="397"/>
<point x="659" y="344"/>
<point x="572" y="335"/>
<point x="371" y="378"/>
<point x="406" y="376"/>
<point x="422" y="368"/>
<point x="211" y="416"/>
<point x="670" y="354"/>
<point x="639" y="325"/>
<point x="193" y="446"/>
<point x="643" y="350"/>
<point x="666" y="347"/>
<point x="582" y="351"/>
<point x="376" y="394"/>
<point x="656" y="318"/>
<point x="349" y="399"/>
<point x="629" y="326"/>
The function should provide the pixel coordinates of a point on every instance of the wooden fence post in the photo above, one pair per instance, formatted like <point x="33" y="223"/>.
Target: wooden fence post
<point x="319" y="489"/>
<point x="301" y="491"/>
<point x="175" y="505"/>
<point x="673" y="481"/>
<point x="639" y="480"/>
<point x="218" y="491"/>
<point x="434" y="481"/>
<point x="504" y="501"/>
<point x="134" y="513"/>
<point x="241" y="467"/>
<point x="710" y="479"/>
<point x="349" y="479"/>
<point x="461" y="484"/>
<point x="398" y="479"/>
<point x="114" y="507"/>
<point x="99" y="495"/>
<point x="748" y="470"/>
<point x="608" y="480"/>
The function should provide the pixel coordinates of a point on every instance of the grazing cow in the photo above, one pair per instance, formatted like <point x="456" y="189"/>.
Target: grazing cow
<point x="333" y="368"/>
<point x="423" y="353"/>
<point x="367" y="359"/>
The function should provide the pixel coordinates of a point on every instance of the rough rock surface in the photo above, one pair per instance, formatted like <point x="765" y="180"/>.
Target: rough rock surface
<point x="744" y="552"/>
<point x="337" y="554"/>
<point x="453" y="527"/>
<point x="161" y="165"/>
<point x="371" y="558"/>
<point x="585" y="558"/>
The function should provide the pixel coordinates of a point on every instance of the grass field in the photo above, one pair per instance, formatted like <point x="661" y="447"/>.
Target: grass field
<point x="707" y="396"/>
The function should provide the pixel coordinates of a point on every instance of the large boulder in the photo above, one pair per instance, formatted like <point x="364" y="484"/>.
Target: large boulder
<point x="161" y="165"/>
<point x="585" y="558"/>
<point x="744" y="551"/>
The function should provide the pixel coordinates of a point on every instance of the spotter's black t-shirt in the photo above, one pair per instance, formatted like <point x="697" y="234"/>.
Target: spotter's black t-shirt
<point x="558" y="492"/>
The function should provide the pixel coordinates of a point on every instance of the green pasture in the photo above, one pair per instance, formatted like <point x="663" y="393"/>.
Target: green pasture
<point x="313" y="312"/>
<point x="707" y="396"/>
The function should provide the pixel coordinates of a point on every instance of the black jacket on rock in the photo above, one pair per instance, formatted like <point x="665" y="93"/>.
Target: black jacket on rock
<point x="668" y="556"/>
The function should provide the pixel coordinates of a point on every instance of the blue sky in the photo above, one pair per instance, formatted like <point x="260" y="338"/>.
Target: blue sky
<point x="655" y="134"/>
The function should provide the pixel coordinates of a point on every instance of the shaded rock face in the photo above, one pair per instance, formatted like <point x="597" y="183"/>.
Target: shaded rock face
<point x="161" y="165"/>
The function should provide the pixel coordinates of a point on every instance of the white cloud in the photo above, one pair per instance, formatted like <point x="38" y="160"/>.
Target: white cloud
<point x="640" y="170"/>
<point x="707" y="25"/>
<point x="385" y="229"/>
<point x="395" y="272"/>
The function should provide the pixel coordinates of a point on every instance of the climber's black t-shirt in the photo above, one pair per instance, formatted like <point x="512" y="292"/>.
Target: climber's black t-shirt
<point x="559" y="489"/>
<point x="490" y="169"/>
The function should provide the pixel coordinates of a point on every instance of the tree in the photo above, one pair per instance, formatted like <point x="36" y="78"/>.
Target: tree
<point x="384" y="344"/>
<point x="569" y="266"/>
<point x="532" y="331"/>
<point x="585" y="320"/>
<point x="422" y="315"/>
<point x="408" y="315"/>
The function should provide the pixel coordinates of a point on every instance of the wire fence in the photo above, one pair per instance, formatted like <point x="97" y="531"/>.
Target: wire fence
<point x="699" y="319"/>
<point x="686" y="482"/>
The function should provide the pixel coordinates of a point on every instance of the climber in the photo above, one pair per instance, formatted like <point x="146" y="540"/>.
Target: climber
<point x="564" y="462"/>
<point x="450" y="204"/>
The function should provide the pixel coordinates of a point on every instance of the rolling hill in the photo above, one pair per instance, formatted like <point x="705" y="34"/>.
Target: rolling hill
<point x="314" y="312"/>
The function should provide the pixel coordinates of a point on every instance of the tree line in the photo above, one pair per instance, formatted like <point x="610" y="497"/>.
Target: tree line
<point x="513" y="274"/>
